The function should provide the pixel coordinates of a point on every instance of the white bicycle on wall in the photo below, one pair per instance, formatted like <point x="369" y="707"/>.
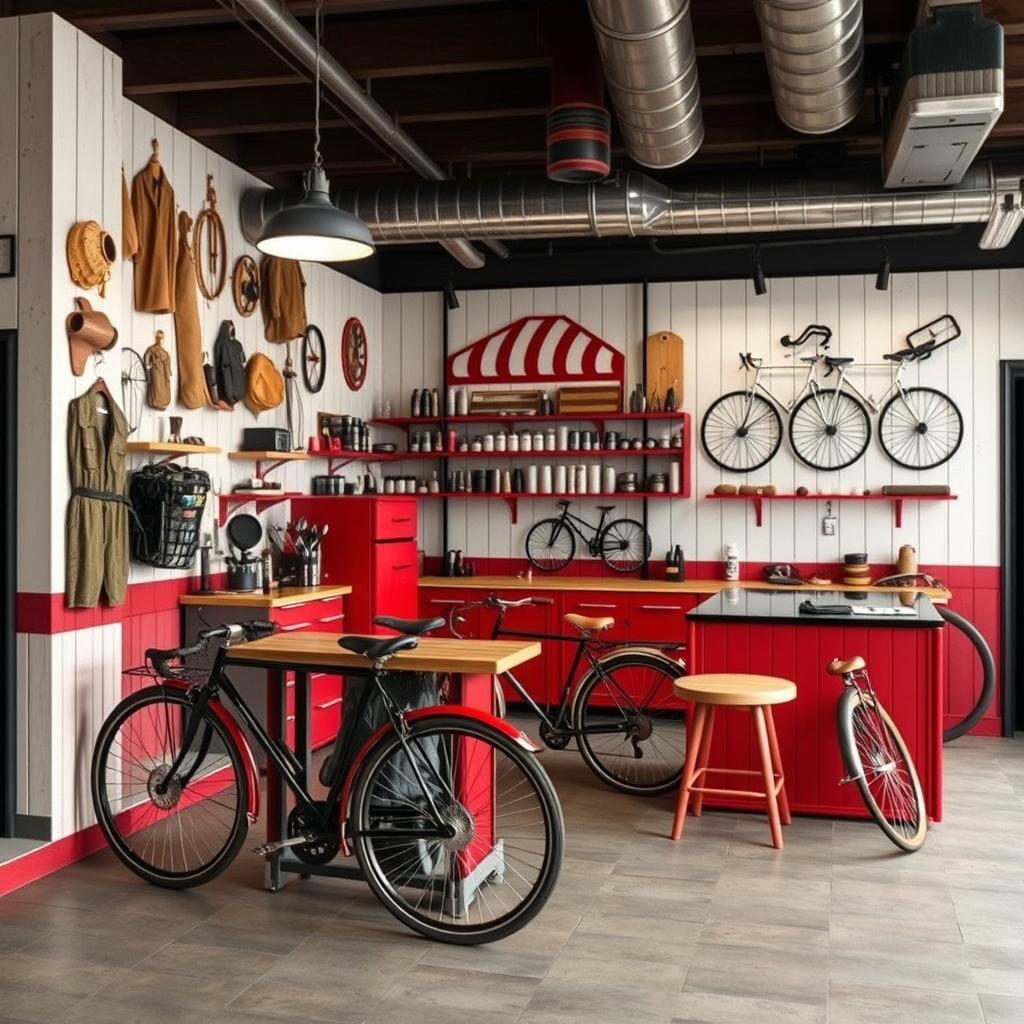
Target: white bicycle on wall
<point x="830" y="427"/>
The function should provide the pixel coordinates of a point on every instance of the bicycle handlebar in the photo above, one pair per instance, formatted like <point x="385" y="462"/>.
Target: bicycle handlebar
<point x="240" y="632"/>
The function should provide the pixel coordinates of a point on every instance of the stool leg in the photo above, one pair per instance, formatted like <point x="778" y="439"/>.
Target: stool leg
<point x="773" y="746"/>
<point x="769" y="781"/>
<point x="692" y="745"/>
<point x="702" y="757"/>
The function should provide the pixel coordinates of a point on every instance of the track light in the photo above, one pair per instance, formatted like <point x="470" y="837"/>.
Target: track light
<point x="882" y="277"/>
<point x="760" y="284"/>
<point x="451" y="300"/>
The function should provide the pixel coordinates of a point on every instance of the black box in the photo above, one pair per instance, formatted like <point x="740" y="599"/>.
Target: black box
<point x="266" y="439"/>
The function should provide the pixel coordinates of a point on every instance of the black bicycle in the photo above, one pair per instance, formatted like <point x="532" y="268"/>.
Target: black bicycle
<point x="456" y="826"/>
<point x="623" y="544"/>
<point x="627" y="722"/>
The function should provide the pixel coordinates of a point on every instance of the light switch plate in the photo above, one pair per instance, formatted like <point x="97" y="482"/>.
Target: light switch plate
<point x="828" y="526"/>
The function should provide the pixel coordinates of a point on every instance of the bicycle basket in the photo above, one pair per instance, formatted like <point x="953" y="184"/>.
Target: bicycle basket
<point x="168" y="501"/>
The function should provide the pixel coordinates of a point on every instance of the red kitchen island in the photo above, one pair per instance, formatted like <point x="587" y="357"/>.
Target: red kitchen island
<point x="763" y="632"/>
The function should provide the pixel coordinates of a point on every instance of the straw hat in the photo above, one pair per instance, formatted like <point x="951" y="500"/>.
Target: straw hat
<point x="264" y="385"/>
<point x="91" y="251"/>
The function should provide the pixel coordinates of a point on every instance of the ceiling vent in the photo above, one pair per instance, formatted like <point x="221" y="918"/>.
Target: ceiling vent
<point x="947" y="96"/>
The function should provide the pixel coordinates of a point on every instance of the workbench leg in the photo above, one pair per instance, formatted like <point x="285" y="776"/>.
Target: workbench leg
<point x="303" y="736"/>
<point x="277" y="789"/>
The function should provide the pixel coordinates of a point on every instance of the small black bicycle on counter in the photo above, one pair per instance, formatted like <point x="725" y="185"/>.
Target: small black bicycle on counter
<point x="455" y="823"/>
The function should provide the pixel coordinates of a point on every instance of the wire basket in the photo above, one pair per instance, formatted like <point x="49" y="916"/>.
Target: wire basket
<point x="168" y="502"/>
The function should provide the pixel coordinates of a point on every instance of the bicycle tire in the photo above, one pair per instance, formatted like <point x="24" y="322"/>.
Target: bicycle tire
<point x="887" y="413"/>
<point x="849" y="702"/>
<point x="101" y="771"/>
<point x="557" y="564"/>
<point x="807" y="456"/>
<point x="766" y="411"/>
<point x="587" y="694"/>
<point x="627" y="566"/>
<point x="988" y="666"/>
<point x="377" y="762"/>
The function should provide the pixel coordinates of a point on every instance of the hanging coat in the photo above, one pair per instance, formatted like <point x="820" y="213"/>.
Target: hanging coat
<point x="192" y="392"/>
<point x="129" y="232"/>
<point x="97" y="517"/>
<point x="282" y="299"/>
<point x="153" y="206"/>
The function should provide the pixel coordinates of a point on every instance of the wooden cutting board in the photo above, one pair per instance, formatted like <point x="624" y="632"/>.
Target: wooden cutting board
<point x="664" y="367"/>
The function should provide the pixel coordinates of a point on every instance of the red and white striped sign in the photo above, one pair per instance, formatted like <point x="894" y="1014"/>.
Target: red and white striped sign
<point x="535" y="349"/>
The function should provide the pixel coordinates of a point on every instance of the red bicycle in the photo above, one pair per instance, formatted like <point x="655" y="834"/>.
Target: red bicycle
<point x="456" y="825"/>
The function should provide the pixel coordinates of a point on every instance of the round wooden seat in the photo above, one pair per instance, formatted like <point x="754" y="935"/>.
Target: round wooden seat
<point x="735" y="689"/>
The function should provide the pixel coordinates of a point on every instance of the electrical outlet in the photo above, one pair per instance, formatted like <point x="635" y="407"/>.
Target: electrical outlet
<point x="828" y="526"/>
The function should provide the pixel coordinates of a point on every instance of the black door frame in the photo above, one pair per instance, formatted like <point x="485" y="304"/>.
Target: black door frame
<point x="1011" y="427"/>
<point x="8" y="581"/>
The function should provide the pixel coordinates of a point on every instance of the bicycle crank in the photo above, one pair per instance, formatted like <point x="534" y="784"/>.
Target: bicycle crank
<point x="556" y="739"/>
<point x="316" y="846"/>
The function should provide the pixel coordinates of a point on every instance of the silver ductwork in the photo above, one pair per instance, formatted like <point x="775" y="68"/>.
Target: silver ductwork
<point x="273" y="17"/>
<point x="636" y="206"/>
<point x="815" y="55"/>
<point x="650" y="65"/>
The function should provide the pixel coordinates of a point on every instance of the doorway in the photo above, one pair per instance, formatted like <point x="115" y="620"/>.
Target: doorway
<point x="1012" y="575"/>
<point x="9" y="581"/>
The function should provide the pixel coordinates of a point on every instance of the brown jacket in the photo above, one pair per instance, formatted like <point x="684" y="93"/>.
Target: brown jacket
<point x="283" y="299"/>
<point x="192" y="391"/>
<point x="153" y="206"/>
<point x="97" y="528"/>
<point x="129" y="232"/>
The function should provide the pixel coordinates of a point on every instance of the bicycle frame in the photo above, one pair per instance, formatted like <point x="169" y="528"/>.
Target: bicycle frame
<point x="573" y="522"/>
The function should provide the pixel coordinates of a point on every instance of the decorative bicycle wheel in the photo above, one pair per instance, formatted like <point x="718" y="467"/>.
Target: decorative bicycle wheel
<point x="293" y="401"/>
<point x="134" y="381"/>
<point x="829" y="429"/>
<point x="741" y="432"/>
<point x="314" y="358"/>
<point x="353" y="352"/>
<point x="245" y="285"/>
<point x="210" y="247"/>
<point x="550" y="545"/>
<point x="921" y="428"/>
<point x="624" y="545"/>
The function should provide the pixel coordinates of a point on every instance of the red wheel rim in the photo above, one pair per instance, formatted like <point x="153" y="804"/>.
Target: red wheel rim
<point x="353" y="353"/>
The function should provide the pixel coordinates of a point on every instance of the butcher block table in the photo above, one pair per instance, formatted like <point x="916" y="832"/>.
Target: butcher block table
<point x="470" y="664"/>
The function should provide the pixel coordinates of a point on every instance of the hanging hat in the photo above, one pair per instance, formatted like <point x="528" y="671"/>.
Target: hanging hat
<point x="91" y="251"/>
<point x="89" y="332"/>
<point x="264" y="385"/>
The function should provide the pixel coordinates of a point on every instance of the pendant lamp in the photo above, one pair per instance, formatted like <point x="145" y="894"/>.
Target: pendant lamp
<point x="315" y="229"/>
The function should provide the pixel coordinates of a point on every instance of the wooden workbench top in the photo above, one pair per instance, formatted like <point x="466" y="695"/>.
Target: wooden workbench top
<point x="631" y="585"/>
<point x="278" y="598"/>
<point x="434" y="654"/>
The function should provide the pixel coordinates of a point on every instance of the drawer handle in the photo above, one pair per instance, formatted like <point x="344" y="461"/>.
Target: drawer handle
<point x="295" y="604"/>
<point x="297" y="625"/>
<point x="290" y="718"/>
<point x="404" y="565"/>
<point x="329" y="704"/>
<point x="323" y="600"/>
<point x="333" y="618"/>
<point x="595" y="606"/>
<point x="446" y="600"/>
<point x="401" y="519"/>
<point x="661" y="607"/>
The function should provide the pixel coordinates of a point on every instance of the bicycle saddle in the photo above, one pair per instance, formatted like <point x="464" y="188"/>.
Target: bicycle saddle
<point x="898" y="357"/>
<point x="589" y="624"/>
<point x="376" y="648"/>
<point x="604" y="508"/>
<point x="838" y="360"/>
<point x="838" y="667"/>
<point x="808" y="359"/>
<point x="410" y="627"/>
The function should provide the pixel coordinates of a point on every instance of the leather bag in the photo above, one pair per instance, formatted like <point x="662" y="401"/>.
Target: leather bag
<point x="264" y="385"/>
<point x="89" y="332"/>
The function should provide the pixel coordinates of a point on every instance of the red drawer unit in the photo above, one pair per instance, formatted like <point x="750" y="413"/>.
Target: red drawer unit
<point x="660" y="616"/>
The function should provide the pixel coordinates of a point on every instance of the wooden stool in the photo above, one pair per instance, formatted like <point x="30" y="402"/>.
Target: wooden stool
<point x="756" y="694"/>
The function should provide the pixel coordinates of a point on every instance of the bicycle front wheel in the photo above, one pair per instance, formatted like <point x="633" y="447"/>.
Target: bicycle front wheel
<point x="550" y="545"/>
<point x="741" y="431"/>
<point x="829" y="429"/>
<point x="624" y="545"/>
<point x="877" y="759"/>
<point x="921" y="428"/>
<point x="629" y="723"/>
<point x="176" y="831"/>
<point x="457" y="829"/>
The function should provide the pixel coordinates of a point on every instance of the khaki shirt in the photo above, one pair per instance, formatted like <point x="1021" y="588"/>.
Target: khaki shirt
<point x="153" y="206"/>
<point x="97" y="530"/>
<point x="283" y="299"/>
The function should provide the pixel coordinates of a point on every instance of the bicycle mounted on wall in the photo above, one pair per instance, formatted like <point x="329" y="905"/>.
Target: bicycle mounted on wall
<point x="829" y="427"/>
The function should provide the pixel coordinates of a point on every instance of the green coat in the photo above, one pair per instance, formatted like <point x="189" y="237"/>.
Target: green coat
<point x="97" y="529"/>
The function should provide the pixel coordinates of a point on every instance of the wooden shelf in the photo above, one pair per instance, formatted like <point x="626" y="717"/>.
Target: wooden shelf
<point x="896" y="500"/>
<point x="230" y="501"/>
<point x="267" y="462"/>
<point x="169" y="450"/>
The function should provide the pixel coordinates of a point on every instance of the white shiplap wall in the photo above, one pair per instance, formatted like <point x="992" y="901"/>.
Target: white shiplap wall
<point x="717" y="320"/>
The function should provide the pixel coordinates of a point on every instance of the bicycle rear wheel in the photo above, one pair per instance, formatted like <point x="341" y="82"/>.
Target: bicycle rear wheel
<point x="877" y="759"/>
<point x="629" y="724"/>
<point x="921" y="428"/>
<point x="550" y="545"/>
<point x="829" y="429"/>
<point x="741" y="432"/>
<point x="624" y="545"/>
<point x="191" y="831"/>
<point x="486" y="866"/>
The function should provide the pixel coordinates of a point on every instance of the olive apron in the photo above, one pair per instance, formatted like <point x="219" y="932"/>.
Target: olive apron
<point x="97" y="519"/>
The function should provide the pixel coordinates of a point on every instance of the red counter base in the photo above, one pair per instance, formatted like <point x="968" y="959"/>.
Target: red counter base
<point x="906" y="668"/>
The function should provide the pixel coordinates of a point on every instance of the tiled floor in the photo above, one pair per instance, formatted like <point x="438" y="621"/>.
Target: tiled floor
<point x="838" y="927"/>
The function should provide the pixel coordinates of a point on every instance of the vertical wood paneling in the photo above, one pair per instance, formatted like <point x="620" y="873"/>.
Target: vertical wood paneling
<point x="9" y="153"/>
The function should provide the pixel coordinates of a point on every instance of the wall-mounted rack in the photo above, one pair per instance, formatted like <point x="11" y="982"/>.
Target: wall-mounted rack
<point x="896" y="500"/>
<point x="261" y="501"/>
<point x="512" y="500"/>
<point x="337" y="460"/>
<point x="267" y="462"/>
<point x="170" y="450"/>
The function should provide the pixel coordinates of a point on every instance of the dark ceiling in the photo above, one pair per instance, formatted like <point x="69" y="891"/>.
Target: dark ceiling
<point x="469" y="81"/>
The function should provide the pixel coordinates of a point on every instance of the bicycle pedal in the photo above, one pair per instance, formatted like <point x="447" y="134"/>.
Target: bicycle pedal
<point x="265" y="849"/>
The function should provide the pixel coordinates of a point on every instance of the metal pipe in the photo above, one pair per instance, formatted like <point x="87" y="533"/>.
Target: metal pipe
<point x="650" y="64"/>
<point x="815" y="55"/>
<point x="274" y="18"/>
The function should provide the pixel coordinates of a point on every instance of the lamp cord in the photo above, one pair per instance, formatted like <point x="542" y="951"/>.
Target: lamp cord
<point x="318" y="160"/>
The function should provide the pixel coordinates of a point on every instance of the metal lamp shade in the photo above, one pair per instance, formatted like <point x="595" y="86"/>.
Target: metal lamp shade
<point x="316" y="230"/>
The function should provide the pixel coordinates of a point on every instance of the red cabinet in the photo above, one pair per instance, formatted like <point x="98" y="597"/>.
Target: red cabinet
<point x="660" y="617"/>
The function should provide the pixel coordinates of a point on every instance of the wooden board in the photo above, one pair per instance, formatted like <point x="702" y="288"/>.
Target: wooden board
<point x="434" y="654"/>
<point x="664" y="367"/>
<point x="605" y="398"/>
<point x="281" y="597"/>
<point x="481" y="402"/>
<point x="169" y="448"/>
<point x="269" y="456"/>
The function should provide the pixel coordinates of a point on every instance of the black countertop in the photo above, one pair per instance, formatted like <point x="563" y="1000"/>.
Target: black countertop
<point x="782" y="606"/>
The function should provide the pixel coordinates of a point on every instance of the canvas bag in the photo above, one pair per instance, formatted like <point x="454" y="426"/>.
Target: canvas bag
<point x="229" y="363"/>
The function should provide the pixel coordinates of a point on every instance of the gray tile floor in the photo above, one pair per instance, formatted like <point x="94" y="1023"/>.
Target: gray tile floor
<point x="717" y="928"/>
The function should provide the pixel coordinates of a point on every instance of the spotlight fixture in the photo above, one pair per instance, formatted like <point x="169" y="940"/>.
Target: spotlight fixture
<point x="314" y="228"/>
<point x="451" y="299"/>
<point x="882" y="277"/>
<point x="760" y="284"/>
